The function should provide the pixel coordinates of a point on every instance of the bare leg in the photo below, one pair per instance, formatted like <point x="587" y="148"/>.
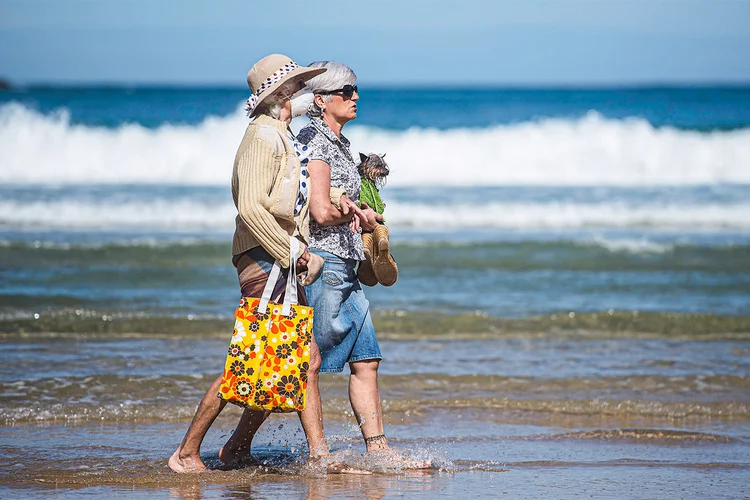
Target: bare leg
<point x="187" y="456"/>
<point x="312" y="417"/>
<point x="238" y="445"/>
<point x="236" y="451"/>
<point x="364" y="395"/>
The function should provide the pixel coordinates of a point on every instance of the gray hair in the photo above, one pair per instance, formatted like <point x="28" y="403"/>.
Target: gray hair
<point x="271" y="108"/>
<point x="272" y="105"/>
<point x="336" y="77"/>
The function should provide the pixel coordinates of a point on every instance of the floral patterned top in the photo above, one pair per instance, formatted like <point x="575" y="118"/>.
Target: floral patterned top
<point x="324" y="145"/>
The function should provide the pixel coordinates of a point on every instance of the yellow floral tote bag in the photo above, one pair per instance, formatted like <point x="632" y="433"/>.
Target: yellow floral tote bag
<point x="269" y="354"/>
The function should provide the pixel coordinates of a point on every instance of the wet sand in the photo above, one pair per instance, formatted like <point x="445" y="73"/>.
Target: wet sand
<point x="475" y="458"/>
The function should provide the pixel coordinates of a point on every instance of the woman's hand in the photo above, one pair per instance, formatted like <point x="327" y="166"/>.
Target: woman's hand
<point x="303" y="260"/>
<point x="347" y="205"/>
<point x="325" y="213"/>
<point x="314" y="268"/>
<point x="369" y="218"/>
<point x="350" y="208"/>
<point x="354" y="225"/>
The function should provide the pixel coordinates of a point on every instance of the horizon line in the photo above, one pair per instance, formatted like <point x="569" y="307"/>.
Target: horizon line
<point x="645" y="85"/>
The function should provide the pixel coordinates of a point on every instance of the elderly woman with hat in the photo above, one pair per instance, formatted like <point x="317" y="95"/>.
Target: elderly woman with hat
<point x="269" y="191"/>
<point x="343" y="326"/>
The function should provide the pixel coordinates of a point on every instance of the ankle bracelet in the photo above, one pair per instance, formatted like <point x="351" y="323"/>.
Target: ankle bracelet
<point x="372" y="439"/>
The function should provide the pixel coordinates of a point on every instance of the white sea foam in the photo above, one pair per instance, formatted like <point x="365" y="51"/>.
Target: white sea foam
<point x="632" y="245"/>
<point x="47" y="149"/>
<point x="158" y="214"/>
<point x="592" y="150"/>
<point x="570" y="215"/>
<point x="191" y="216"/>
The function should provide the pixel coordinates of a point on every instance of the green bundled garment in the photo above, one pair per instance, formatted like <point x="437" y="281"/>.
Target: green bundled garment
<point x="369" y="194"/>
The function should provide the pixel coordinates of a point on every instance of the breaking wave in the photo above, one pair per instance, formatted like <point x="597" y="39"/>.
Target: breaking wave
<point x="592" y="150"/>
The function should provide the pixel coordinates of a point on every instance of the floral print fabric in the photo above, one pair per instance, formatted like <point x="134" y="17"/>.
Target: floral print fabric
<point x="324" y="145"/>
<point x="268" y="358"/>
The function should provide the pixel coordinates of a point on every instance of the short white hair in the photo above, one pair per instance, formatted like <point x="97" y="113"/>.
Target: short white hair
<point x="336" y="76"/>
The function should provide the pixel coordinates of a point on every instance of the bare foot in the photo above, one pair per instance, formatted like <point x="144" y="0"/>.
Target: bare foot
<point x="339" y="468"/>
<point x="185" y="464"/>
<point x="334" y="467"/>
<point x="231" y="458"/>
<point x="396" y="460"/>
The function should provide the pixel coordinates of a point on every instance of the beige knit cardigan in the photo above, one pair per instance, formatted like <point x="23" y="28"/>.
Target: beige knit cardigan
<point x="265" y="187"/>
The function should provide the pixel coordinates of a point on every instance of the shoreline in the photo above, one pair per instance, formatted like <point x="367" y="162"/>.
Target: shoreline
<point x="401" y="325"/>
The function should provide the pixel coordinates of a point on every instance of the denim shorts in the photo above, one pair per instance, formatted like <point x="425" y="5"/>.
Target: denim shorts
<point x="342" y="324"/>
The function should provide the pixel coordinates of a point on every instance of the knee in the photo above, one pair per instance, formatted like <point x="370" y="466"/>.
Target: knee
<point x="315" y="363"/>
<point x="365" y="370"/>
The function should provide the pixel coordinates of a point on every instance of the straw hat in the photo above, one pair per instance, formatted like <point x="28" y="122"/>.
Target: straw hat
<point x="268" y="74"/>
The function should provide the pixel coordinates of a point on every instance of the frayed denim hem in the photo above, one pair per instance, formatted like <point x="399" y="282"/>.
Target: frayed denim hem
<point x="331" y="370"/>
<point x="371" y="357"/>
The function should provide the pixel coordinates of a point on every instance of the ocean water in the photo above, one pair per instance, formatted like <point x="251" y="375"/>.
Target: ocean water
<point x="572" y="314"/>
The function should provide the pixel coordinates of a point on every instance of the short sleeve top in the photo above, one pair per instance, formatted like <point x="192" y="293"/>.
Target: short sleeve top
<point x="323" y="145"/>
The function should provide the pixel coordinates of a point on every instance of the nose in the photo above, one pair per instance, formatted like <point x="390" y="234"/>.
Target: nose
<point x="355" y="96"/>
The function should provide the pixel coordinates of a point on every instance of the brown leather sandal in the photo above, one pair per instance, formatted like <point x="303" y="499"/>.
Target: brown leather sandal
<point x="365" y="273"/>
<point x="386" y="270"/>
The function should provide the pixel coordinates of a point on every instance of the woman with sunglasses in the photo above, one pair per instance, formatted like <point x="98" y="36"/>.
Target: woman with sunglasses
<point x="343" y="325"/>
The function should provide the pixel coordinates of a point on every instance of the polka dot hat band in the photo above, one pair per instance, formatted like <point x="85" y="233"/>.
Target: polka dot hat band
<point x="268" y="74"/>
<point x="275" y="77"/>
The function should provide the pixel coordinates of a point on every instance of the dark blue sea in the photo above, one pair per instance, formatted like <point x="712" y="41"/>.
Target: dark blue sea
<point x="573" y="292"/>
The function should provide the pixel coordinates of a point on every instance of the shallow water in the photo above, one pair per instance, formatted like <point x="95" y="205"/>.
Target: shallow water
<point x="100" y="415"/>
<point x="120" y="379"/>
<point x="521" y="461"/>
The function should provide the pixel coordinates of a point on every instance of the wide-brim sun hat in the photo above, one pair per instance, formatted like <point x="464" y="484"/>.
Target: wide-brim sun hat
<point x="270" y="73"/>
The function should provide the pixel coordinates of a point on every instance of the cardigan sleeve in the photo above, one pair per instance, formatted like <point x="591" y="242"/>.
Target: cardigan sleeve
<point x="336" y="195"/>
<point x="256" y="170"/>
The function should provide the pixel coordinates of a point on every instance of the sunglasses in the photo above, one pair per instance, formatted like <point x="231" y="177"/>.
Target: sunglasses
<point x="347" y="90"/>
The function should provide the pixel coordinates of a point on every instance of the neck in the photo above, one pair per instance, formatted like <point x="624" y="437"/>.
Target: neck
<point x="285" y="117"/>
<point x="333" y="124"/>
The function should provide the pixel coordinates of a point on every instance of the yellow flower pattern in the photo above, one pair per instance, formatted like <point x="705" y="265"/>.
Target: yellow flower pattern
<point x="268" y="358"/>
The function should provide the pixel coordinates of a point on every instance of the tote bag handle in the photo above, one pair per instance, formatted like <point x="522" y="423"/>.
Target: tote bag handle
<point x="290" y="296"/>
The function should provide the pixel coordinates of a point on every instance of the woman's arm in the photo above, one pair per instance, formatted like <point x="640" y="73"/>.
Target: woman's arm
<point x="321" y="208"/>
<point x="256" y="175"/>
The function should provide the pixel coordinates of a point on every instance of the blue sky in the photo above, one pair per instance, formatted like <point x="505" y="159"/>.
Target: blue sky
<point x="495" y="42"/>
